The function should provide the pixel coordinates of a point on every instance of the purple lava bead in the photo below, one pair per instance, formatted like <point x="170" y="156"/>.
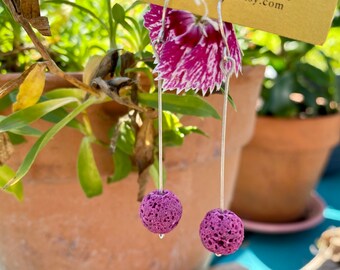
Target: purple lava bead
<point x="221" y="232"/>
<point x="160" y="211"/>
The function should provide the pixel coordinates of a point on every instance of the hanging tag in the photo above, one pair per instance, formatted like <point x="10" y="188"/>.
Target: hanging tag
<point x="305" y="20"/>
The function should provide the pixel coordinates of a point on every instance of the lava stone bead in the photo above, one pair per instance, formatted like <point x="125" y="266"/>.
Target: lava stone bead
<point x="160" y="211"/>
<point x="221" y="232"/>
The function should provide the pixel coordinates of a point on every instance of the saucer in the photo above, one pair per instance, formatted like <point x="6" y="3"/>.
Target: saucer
<point x="312" y="217"/>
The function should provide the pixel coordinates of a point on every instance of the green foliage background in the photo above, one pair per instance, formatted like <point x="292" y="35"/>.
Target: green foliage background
<point x="76" y="34"/>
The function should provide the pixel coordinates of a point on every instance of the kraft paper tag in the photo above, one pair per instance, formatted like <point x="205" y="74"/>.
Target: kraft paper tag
<point x="305" y="20"/>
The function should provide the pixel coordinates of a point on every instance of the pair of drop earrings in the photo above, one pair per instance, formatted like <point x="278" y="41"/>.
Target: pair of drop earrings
<point x="221" y="231"/>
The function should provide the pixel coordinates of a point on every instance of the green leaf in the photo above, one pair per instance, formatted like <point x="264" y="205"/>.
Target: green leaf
<point x="26" y="130"/>
<point x="145" y="39"/>
<point x="5" y="102"/>
<point x="188" y="105"/>
<point x="172" y="138"/>
<point x="278" y="102"/>
<point x="6" y="174"/>
<point x="118" y="13"/>
<point x="312" y="77"/>
<point x="44" y="139"/>
<point x="231" y="101"/>
<point x="13" y="95"/>
<point x="85" y="10"/>
<point x="146" y="58"/>
<point x="126" y="139"/>
<point x="170" y="121"/>
<point x="88" y="174"/>
<point x="16" y="139"/>
<point x="337" y="89"/>
<point x="173" y="131"/>
<point x="26" y="116"/>
<point x="134" y="4"/>
<point x="192" y="129"/>
<point x="66" y="92"/>
<point x="133" y="34"/>
<point x="123" y="166"/>
<point x="134" y="28"/>
<point x="135" y="24"/>
<point x="59" y="114"/>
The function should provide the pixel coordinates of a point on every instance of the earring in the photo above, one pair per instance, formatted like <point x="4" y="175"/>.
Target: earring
<point x="222" y="231"/>
<point x="160" y="210"/>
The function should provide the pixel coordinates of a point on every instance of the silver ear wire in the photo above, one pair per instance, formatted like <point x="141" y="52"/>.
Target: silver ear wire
<point x="226" y="52"/>
<point x="206" y="10"/>
<point x="228" y="72"/>
<point x="224" y="61"/>
<point x="221" y="24"/>
<point x="160" y="38"/>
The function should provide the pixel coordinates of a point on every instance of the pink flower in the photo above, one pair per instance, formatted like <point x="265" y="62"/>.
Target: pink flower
<point x="192" y="50"/>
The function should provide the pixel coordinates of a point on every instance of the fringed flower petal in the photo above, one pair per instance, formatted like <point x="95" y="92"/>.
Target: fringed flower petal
<point x="176" y="23"/>
<point x="192" y="50"/>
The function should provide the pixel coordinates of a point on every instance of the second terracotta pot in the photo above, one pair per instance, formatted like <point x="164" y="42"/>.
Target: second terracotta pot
<point x="281" y="166"/>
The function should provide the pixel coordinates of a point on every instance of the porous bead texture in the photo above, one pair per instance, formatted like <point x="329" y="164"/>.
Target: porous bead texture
<point x="221" y="232"/>
<point x="160" y="211"/>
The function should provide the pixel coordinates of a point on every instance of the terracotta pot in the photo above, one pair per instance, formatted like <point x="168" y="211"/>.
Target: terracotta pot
<point x="281" y="166"/>
<point x="56" y="227"/>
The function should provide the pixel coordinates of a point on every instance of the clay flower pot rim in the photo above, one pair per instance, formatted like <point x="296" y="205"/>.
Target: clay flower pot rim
<point x="284" y="134"/>
<point x="54" y="82"/>
<point x="247" y="67"/>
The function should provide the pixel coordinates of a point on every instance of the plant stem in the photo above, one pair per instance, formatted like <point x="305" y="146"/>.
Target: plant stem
<point x="87" y="124"/>
<point x="52" y="66"/>
<point x="113" y="44"/>
<point x="16" y="51"/>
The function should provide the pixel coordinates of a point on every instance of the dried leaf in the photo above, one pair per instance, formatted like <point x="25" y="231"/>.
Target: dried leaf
<point x="31" y="89"/>
<point x="107" y="65"/>
<point x="91" y="68"/>
<point x="42" y="25"/>
<point x="144" y="150"/>
<point x="143" y="179"/>
<point x="145" y="145"/>
<point x="30" y="8"/>
<point x="6" y="148"/>
<point x="128" y="61"/>
<point x="103" y="86"/>
<point x="16" y="5"/>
